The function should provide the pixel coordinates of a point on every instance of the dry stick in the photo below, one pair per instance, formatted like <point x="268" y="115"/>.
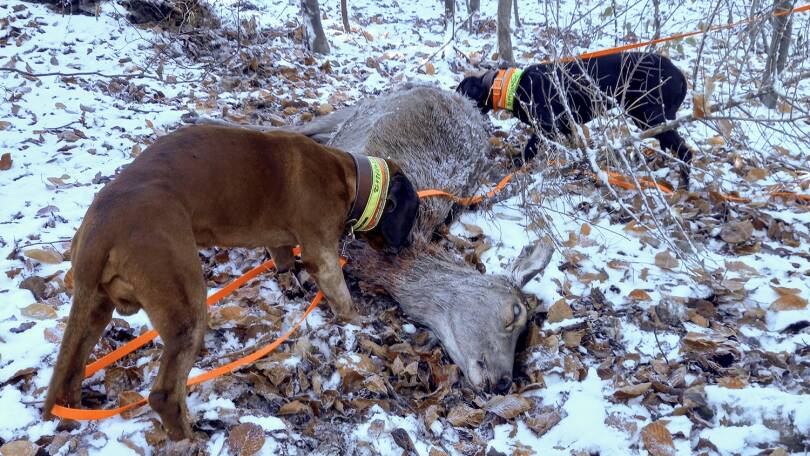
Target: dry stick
<point x="96" y="73"/>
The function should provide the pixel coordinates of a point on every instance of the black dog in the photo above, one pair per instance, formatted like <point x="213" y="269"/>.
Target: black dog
<point x="648" y="86"/>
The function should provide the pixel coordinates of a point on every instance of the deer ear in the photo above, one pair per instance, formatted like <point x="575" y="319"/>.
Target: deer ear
<point x="532" y="261"/>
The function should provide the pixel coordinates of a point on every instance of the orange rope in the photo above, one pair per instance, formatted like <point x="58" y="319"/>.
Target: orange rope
<point x="627" y="47"/>
<point x="91" y="414"/>
<point x="428" y="193"/>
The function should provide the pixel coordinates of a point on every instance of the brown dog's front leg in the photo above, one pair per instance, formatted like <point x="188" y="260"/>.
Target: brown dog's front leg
<point x="324" y="265"/>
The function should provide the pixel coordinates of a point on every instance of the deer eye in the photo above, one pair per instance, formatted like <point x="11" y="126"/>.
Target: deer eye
<point x="515" y="316"/>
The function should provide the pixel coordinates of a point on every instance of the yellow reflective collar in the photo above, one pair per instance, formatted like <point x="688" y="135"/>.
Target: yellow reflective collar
<point x="375" y="204"/>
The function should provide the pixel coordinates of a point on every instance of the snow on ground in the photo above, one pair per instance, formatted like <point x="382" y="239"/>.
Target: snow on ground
<point x="67" y="136"/>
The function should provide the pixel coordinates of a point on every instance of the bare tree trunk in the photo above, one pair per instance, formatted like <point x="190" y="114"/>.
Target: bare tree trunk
<point x="778" y="49"/>
<point x="313" y="29"/>
<point x="344" y="15"/>
<point x="517" y="16"/>
<point x="473" y="7"/>
<point x="504" y="31"/>
<point x="449" y="20"/>
<point x="755" y="26"/>
<point x="657" y="19"/>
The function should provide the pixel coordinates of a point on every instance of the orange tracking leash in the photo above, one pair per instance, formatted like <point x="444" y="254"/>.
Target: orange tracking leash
<point x="613" y="178"/>
<point x="101" y="363"/>
<point x="626" y="47"/>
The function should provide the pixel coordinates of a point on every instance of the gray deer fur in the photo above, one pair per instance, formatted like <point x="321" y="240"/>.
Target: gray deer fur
<point x="439" y="140"/>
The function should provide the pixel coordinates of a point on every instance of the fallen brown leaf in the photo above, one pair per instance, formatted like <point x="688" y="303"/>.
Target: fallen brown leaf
<point x="732" y="382"/>
<point x="789" y="302"/>
<point x="129" y="397"/>
<point x="665" y="260"/>
<point x="507" y="407"/>
<point x="631" y="391"/>
<point x="293" y="407"/>
<point x="430" y="69"/>
<point x="19" y="448"/>
<point x="246" y="439"/>
<point x="39" y="311"/>
<point x="657" y="439"/>
<point x="48" y="256"/>
<point x="639" y="295"/>
<point x="543" y="422"/>
<point x="464" y="415"/>
<point x="5" y="161"/>
<point x="559" y="311"/>
<point x="736" y="232"/>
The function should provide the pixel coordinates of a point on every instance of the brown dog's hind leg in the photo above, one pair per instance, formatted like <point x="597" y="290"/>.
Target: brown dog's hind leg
<point x="89" y="315"/>
<point x="174" y="300"/>
<point x="324" y="264"/>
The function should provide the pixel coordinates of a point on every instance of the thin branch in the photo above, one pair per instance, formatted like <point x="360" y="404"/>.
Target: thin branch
<point x="141" y="75"/>
<point x="733" y="103"/>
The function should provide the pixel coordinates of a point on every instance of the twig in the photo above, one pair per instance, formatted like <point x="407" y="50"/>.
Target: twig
<point x="441" y="48"/>
<point x="733" y="103"/>
<point x="655" y="333"/>
<point x="141" y="75"/>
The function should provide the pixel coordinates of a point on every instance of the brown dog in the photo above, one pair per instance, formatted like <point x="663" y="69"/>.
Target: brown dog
<point x="203" y="186"/>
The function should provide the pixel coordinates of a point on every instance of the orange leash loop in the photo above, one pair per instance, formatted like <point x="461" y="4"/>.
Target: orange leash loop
<point x="91" y="414"/>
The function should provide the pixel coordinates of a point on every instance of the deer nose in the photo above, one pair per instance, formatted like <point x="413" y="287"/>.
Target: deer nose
<point x="503" y="385"/>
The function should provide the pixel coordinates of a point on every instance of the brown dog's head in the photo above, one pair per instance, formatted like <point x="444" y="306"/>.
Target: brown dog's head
<point x="399" y="214"/>
<point x="477" y="88"/>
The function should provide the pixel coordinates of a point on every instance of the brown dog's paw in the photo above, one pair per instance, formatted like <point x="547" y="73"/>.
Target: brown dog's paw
<point x="351" y="318"/>
<point x="67" y="425"/>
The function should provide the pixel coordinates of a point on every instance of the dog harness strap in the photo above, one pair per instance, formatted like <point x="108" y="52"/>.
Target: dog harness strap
<point x="372" y="213"/>
<point x="362" y="186"/>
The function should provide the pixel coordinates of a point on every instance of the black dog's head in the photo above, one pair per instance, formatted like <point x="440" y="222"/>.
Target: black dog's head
<point x="478" y="88"/>
<point x="393" y="232"/>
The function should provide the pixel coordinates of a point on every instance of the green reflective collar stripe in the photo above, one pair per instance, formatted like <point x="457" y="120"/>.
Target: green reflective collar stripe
<point x="513" y="85"/>
<point x="376" y="199"/>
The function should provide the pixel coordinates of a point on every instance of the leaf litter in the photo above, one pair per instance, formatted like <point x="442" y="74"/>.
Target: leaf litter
<point x="630" y="337"/>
